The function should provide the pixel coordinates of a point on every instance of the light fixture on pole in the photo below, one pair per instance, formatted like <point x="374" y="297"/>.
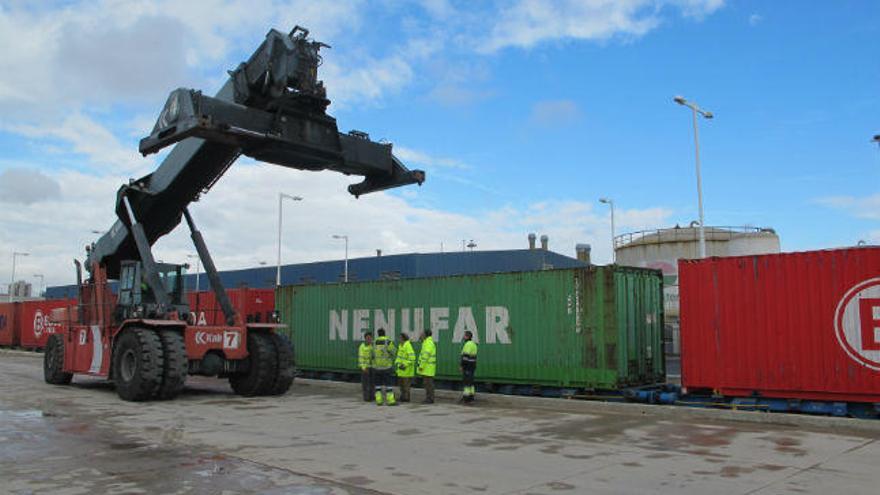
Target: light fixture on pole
<point x="695" y="109"/>
<point x="198" y="286"/>
<point x="281" y="197"/>
<point x="336" y="236"/>
<point x="40" y="276"/>
<point x="876" y="139"/>
<point x="15" y="254"/>
<point x="610" y="203"/>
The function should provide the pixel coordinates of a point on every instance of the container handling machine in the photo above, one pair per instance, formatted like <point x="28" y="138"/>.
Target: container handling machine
<point x="273" y="109"/>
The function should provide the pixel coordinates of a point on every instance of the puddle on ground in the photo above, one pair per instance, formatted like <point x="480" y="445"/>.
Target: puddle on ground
<point x="88" y="458"/>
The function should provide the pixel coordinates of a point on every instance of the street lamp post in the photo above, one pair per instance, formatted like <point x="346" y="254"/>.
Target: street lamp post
<point x="335" y="236"/>
<point x="198" y="269"/>
<point x="610" y="203"/>
<point x="40" y="276"/>
<point x="695" y="109"/>
<point x="15" y="254"/>
<point x="281" y="197"/>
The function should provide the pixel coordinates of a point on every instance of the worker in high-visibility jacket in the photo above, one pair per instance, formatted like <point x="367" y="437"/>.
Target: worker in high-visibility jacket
<point x="405" y="365"/>
<point x="428" y="365"/>
<point x="365" y="363"/>
<point x="383" y="361"/>
<point x="468" y="367"/>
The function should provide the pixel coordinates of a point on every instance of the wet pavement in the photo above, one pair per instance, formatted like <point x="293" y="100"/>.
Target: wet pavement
<point x="320" y="439"/>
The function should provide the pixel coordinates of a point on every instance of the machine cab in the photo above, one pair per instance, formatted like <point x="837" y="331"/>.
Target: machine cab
<point x="136" y="299"/>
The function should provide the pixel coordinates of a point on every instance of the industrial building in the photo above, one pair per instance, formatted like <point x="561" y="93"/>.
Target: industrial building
<point x="391" y="267"/>
<point x="662" y="248"/>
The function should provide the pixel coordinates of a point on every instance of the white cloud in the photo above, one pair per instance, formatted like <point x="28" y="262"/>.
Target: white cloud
<point x="859" y="207"/>
<point x="239" y="219"/>
<point x="528" y="23"/>
<point x="87" y="137"/>
<point x="697" y="8"/>
<point x="367" y="82"/>
<point x="555" y="112"/>
<point x="755" y="19"/>
<point x="409" y="155"/>
<point x="123" y="52"/>
<point x="25" y="186"/>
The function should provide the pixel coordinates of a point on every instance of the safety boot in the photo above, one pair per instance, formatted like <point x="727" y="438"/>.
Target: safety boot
<point x="379" y="398"/>
<point x="389" y="399"/>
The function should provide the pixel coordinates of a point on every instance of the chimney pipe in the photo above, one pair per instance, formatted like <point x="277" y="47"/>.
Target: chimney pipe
<point x="378" y="252"/>
<point x="583" y="252"/>
<point x="544" y="242"/>
<point x="532" y="238"/>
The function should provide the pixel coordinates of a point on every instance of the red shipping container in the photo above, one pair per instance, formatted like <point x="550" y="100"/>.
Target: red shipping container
<point x="254" y="305"/>
<point x="34" y="321"/>
<point x="8" y="328"/>
<point x="792" y="325"/>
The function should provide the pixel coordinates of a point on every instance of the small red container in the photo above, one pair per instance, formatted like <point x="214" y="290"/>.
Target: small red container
<point x="255" y="306"/>
<point x="8" y="328"/>
<point x="34" y="320"/>
<point x="792" y="325"/>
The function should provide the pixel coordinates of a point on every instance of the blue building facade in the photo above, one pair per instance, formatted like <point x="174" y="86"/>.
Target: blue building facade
<point x="398" y="266"/>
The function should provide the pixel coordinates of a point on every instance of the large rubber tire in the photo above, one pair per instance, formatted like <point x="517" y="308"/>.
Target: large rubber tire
<point x="53" y="362"/>
<point x="285" y="367"/>
<point x="175" y="364"/>
<point x="263" y="363"/>
<point x="138" y="364"/>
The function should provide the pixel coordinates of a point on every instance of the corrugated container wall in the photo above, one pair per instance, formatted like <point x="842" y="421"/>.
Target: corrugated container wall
<point x="794" y="325"/>
<point x="8" y="328"/>
<point x="35" y="323"/>
<point x="597" y="327"/>
<point x="254" y="305"/>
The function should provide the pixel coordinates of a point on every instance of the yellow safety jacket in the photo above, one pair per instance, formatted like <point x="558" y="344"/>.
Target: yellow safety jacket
<point x="383" y="353"/>
<point x="469" y="354"/>
<point x="365" y="356"/>
<point x="406" y="360"/>
<point x="428" y="358"/>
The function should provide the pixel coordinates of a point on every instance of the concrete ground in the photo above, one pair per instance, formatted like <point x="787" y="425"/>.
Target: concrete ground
<point x="322" y="439"/>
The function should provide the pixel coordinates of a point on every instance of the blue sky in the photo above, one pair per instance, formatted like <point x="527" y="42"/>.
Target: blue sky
<point x="522" y="113"/>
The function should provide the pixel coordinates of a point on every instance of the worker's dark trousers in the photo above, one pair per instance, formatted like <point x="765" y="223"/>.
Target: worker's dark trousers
<point x="367" y="384"/>
<point x="405" y="382"/>
<point x="428" y="382"/>
<point x="467" y="379"/>
<point x="382" y="380"/>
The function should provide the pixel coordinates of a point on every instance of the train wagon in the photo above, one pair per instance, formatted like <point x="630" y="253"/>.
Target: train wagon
<point x="793" y="325"/>
<point x="29" y="324"/>
<point x="9" y="331"/>
<point x="34" y="321"/>
<point x="585" y="328"/>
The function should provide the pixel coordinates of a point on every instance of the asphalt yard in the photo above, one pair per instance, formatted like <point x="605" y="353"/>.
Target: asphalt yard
<point x="321" y="438"/>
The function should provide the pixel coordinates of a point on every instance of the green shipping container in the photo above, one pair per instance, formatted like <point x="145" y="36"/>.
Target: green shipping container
<point x="593" y="328"/>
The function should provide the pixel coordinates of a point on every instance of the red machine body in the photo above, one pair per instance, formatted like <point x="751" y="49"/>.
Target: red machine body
<point x="88" y="349"/>
<point x="793" y="325"/>
<point x="89" y="337"/>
